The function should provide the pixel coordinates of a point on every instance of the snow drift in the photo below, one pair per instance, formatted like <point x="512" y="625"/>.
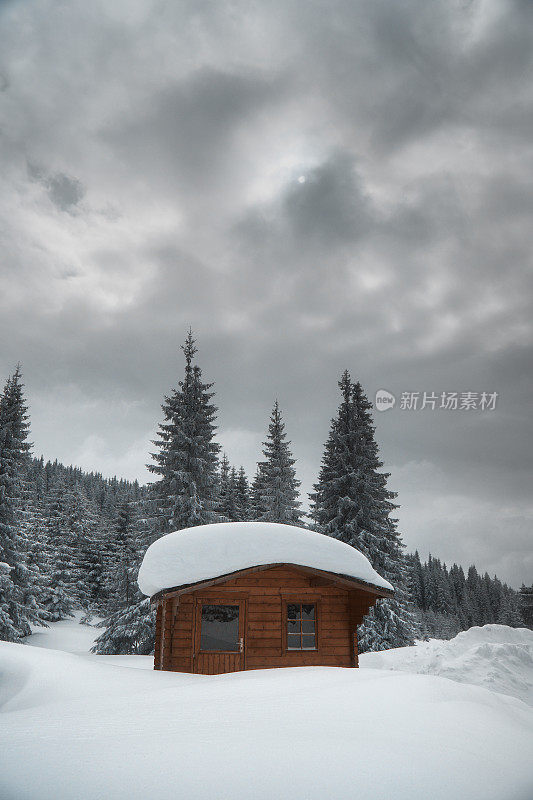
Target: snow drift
<point x="208" y="551"/>
<point x="76" y="727"/>
<point x="494" y="656"/>
<point x="72" y="728"/>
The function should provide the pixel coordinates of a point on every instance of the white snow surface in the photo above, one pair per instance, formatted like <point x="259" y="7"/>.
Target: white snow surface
<point x="208" y="551"/>
<point x="70" y="636"/>
<point x="73" y="728"/>
<point x="67" y="635"/>
<point x="494" y="656"/>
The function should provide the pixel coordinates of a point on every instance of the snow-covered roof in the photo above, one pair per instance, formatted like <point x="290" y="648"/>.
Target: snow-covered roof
<point x="209" y="551"/>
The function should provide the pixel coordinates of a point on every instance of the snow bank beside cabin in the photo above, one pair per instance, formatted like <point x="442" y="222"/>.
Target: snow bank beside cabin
<point x="496" y="657"/>
<point x="72" y="729"/>
<point x="208" y="551"/>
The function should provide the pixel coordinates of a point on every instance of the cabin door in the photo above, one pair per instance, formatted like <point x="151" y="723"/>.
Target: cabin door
<point x="219" y="636"/>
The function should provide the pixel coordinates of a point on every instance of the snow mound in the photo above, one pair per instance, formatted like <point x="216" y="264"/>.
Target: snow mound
<point x="31" y="677"/>
<point x="72" y="729"/>
<point x="208" y="551"/>
<point x="67" y="635"/>
<point x="496" y="657"/>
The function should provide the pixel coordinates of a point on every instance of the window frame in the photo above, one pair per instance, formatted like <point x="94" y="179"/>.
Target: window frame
<point x="232" y="600"/>
<point x="299" y="599"/>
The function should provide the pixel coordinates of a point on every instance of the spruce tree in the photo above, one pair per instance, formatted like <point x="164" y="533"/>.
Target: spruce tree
<point x="88" y="551"/>
<point x="130" y="630"/>
<point x="510" y="609"/>
<point x="277" y="485"/>
<point x="351" y="502"/>
<point x="18" y="603"/>
<point x="187" y="457"/>
<point x="129" y="624"/>
<point x="124" y="554"/>
<point x="60" y="599"/>
<point x="33" y="536"/>
<point x="184" y="495"/>
<point x="242" y="496"/>
<point x="257" y="505"/>
<point x="226" y="505"/>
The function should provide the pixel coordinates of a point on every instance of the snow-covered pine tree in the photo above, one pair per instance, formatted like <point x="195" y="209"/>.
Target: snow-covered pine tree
<point x="223" y="485"/>
<point x="226" y="505"/>
<point x="446" y="602"/>
<point x="125" y="553"/>
<point x="351" y="502"/>
<point x="242" y="496"/>
<point x="129" y="625"/>
<point x="185" y="494"/>
<point x="17" y="598"/>
<point x="60" y="600"/>
<point x="257" y="506"/>
<point x="32" y="532"/>
<point x="88" y="566"/>
<point x="510" y="609"/>
<point x="130" y="630"/>
<point x="416" y="580"/>
<point x="187" y="457"/>
<point x="277" y="484"/>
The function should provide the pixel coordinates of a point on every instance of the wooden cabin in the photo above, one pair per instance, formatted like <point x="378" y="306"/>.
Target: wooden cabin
<point x="232" y="614"/>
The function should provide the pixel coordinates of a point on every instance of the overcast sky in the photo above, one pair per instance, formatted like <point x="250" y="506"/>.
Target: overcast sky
<point x="312" y="186"/>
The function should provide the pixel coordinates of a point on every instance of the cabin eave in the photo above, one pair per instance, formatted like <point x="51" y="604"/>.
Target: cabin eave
<point x="342" y="580"/>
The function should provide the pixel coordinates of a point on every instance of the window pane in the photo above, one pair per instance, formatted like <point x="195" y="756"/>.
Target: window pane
<point x="293" y="641"/>
<point x="293" y="626"/>
<point x="308" y="626"/>
<point x="308" y="642"/>
<point x="293" y="611"/>
<point x="308" y="611"/>
<point x="220" y="628"/>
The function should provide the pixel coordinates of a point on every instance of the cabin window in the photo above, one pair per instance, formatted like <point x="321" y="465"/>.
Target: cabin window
<point x="301" y="626"/>
<point x="220" y="628"/>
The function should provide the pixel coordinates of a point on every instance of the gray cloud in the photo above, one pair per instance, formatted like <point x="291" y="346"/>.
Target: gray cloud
<point x="187" y="131"/>
<point x="64" y="191"/>
<point x="311" y="187"/>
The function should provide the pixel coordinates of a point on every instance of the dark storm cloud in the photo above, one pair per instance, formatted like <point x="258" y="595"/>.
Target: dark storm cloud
<point x="64" y="191"/>
<point x="190" y="126"/>
<point x="330" y="206"/>
<point x="311" y="186"/>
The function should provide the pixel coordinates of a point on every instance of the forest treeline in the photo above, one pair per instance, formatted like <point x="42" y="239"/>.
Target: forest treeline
<point x="74" y="540"/>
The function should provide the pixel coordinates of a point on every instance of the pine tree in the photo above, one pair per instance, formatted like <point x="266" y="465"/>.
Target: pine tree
<point x="351" y="502"/>
<point x="226" y="505"/>
<point x="187" y="457"/>
<point x="124" y="549"/>
<point x="88" y="566"/>
<point x="416" y="580"/>
<point x="33" y="537"/>
<point x="510" y="610"/>
<point x="60" y="599"/>
<point x="276" y="482"/>
<point x="184" y="496"/>
<point x="450" y="602"/>
<point x="18" y="603"/>
<point x="9" y="632"/>
<point x="257" y="505"/>
<point x="242" y="496"/>
<point x="128" y="630"/>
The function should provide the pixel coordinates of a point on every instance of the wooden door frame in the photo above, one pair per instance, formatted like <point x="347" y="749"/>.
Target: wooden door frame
<point x="222" y="600"/>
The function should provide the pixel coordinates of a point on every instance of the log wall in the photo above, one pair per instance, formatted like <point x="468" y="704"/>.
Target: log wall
<point x="339" y="612"/>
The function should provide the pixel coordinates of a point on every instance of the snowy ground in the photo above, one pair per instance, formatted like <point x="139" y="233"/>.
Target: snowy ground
<point x="71" y="637"/>
<point x="496" y="657"/>
<point x="81" y="728"/>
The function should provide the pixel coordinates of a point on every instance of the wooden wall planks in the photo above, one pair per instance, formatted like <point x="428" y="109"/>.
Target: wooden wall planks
<point x="340" y="611"/>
